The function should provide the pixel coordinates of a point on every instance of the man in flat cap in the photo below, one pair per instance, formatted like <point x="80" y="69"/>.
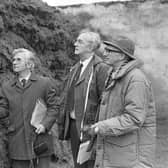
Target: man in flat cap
<point x="126" y="127"/>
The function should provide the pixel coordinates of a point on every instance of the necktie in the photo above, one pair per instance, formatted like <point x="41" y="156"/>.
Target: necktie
<point x="23" y="82"/>
<point x="78" y="73"/>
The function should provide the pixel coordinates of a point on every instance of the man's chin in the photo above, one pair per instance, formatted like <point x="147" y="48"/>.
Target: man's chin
<point x="76" y="52"/>
<point x="15" y="70"/>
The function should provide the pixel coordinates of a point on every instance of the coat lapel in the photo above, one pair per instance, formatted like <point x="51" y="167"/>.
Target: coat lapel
<point x="73" y="73"/>
<point x="18" y="84"/>
<point x="85" y="73"/>
<point x="94" y="61"/>
<point x="32" y="78"/>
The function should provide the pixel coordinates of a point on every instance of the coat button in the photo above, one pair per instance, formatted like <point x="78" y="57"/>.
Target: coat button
<point x="97" y="165"/>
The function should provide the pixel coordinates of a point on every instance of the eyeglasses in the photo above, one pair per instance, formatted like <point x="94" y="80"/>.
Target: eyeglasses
<point x="16" y="59"/>
<point x="79" y="41"/>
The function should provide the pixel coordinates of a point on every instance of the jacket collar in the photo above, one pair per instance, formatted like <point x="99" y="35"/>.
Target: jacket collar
<point x="33" y="77"/>
<point x="125" y="69"/>
<point x="97" y="60"/>
<point x="94" y="61"/>
<point x="137" y="63"/>
<point x="15" y="80"/>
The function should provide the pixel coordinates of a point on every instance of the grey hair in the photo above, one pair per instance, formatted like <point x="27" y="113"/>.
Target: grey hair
<point x="30" y="56"/>
<point x="93" y="38"/>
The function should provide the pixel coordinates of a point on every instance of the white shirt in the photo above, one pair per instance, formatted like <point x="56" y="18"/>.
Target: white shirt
<point x="85" y="64"/>
<point x="26" y="77"/>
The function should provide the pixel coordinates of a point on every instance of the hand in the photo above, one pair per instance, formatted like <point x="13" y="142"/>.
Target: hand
<point x="93" y="130"/>
<point x="40" y="129"/>
<point x="96" y="128"/>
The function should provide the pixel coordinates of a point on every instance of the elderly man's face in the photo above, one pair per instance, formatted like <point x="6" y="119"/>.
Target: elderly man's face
<point x="111" y="57"/>
<point x="82" y="44"/>
<point x="20" y="62"/>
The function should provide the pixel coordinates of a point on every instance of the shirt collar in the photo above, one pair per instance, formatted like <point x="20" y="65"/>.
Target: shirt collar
<point x="25" y="77"/>
<point x="86" y="61"/>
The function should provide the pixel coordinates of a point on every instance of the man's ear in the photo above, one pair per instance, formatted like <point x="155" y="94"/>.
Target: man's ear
<point x="122" y="56"/>
<point x="91" y="46"/>
<point x="30" y="65"/>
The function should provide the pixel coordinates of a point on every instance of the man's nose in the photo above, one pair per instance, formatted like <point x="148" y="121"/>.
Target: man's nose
<point x="105" y="53"/>
<point x="14" y="62"/>
<point x="75" y="43"/>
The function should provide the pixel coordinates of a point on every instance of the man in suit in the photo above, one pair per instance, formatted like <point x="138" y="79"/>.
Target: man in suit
<point x="19" y="97"/>
<point x="83" y="93"/>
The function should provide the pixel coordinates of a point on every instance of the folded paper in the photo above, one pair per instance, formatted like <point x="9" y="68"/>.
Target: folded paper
<point x="39" y="113"/>
<point x="83" y="155"/>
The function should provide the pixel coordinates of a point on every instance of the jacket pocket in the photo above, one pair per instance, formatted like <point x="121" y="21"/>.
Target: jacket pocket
<point x="122" y="150"/>
<point x="122" y="140"/>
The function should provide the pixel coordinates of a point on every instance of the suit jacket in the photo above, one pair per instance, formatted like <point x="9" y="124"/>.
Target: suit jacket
<point x="20" y="103"/>
<point x="96" y="88"/>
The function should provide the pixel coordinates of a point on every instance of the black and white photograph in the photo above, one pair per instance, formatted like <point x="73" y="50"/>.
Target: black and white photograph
<point x="83" y="83"/>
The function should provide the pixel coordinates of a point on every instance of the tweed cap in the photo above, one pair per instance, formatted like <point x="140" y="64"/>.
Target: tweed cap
<point x="122" y="44"/>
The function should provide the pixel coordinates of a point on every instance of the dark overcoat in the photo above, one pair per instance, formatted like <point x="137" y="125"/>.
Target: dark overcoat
<point x="20" y="102"/>
<point x="96" y="87"/>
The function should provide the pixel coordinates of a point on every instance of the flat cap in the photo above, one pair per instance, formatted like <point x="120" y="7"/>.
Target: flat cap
<point x="122" y="44"/>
